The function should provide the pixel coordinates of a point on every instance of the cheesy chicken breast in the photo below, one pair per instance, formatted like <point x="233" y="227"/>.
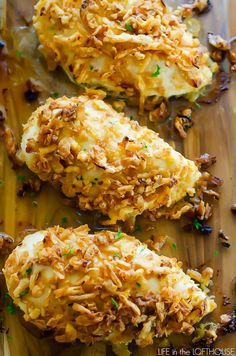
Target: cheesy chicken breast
<point x="105" y="161"/>
<point x="128" y="47"/>
<point x="106" y="286"/>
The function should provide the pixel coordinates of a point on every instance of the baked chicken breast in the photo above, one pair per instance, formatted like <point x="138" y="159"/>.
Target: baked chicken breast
<point x="125" y="46"/>
<point x="105" y="161"/>
<point x="105" y="286"/>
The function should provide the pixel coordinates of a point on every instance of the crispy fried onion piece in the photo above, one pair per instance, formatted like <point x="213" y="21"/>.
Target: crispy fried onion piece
<point x="6" y="241"/>
<point x="194" y="206"/>
<point x="197" y="6"/>
<point x="218" y="42"/>
<point x="9" y="139"/>
<point x="183" y="122"/>
<point x="105" y="286"/>
<point x="221" y="48"/>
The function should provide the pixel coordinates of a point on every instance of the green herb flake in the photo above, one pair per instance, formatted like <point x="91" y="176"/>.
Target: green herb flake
<point x="119" y="235"/>
<point x="79" y="178"/>
<point x="55" y="95"/>
<point x="174" y="246"/>
<point x="216" y="253"/>
<point x="131" y="117"/>
<point x="198" y="106"/>
<point x="11" y="308"/>
<point x="19" y="54"/>
<point x="91" y="67"/>
<point x="116" y="255"/>
<point x="33" y="194"/>
<point x="64" y="220"/>
<point x="23" y="293"/>
<point x="2" y="183"/>
<point x="138" y="284"/>
<point x="143" y="249"/>
<point x="28" y="271"/>
<point x="1" y="318"/>
<point x="145" y="146"/>
<point x="34" y="204"/>
<point x="6" y="296"/>
<point x="197" y="224"/>
<point x="21" y="178"/>
<point x="114" y="302"/>
<point x="129" y="27"/>
<point x="121" y="99"/>
<point x="70" y="253"/>
<point x="157" y="72"/>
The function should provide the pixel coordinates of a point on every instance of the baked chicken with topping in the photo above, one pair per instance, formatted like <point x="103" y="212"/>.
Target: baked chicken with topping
<point x="105" y="286"/>
<point x="105" y="161"/>
<point x="125" y="46"/>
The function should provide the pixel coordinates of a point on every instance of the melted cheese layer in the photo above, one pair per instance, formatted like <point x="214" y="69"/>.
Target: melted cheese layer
<point x="118" y="45"/>
<point x="102" y="287"/>
<point x="104" y="160"/>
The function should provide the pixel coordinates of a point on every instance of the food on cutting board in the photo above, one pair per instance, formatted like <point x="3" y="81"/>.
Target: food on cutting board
<point x="127" y="47"/>
<point x="105" y="161"/>
<point x="106" y="286"/>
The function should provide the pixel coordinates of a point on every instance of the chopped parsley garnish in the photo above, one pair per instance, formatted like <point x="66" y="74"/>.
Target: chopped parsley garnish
<point x="198" y="106"/>
<point x="11" y="308"/>
<point x="131" y="117"/>
<point x="129" y="27"/>
<point x="55" y="95"/>
<point x="145" y="146"/>
<point x="35" y="203"/>
<point x="21" y="178"/>
<point x="79" y="178"/>
<point x="143" y="249"/>
<point x="114" y="302"/>
<point x="1" y="183"/>
<point x="116" y="255"/>
<point x="33" y="194"/>
<point x="216" y="253"/>
<point x="70" y="253"/>
<point x="64" y="220"/>
<point x="157" y="72"/>
<point x="19" y="54"/>
<point x="138" y="284"/>
<point x="119" y="235"/>
<point x="174" y="246"/>
<point x="6" y="296"/>
<point x="121" y="99"/>
<point x="197" y="224"/>
<point x="24" y="292"/>
<point x="201" y="227"/>
<point x="27" y="272"/>
<point x="91" y="67"/>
